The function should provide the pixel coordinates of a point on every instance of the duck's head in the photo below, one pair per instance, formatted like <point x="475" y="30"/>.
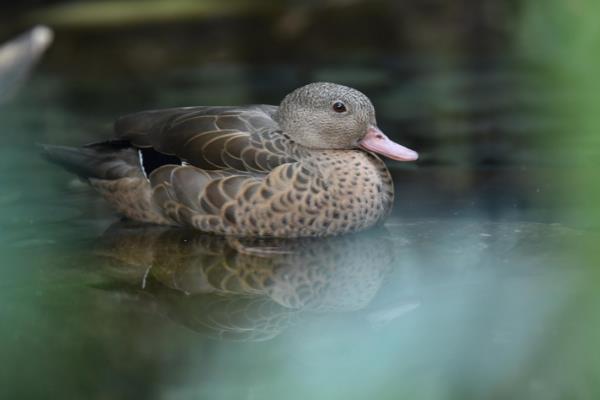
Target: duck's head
<point x="330" y="116"/>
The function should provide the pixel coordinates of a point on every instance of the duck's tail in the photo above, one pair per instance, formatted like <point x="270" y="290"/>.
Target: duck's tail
<point x="106" y="160"/>
<point x="114" y="170"/>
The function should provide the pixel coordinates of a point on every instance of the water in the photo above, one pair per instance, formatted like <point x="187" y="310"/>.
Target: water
<point x="472" y="289"/>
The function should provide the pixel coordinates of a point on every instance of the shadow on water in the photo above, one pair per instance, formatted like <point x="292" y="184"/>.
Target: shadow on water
<point x="244" y="289"/>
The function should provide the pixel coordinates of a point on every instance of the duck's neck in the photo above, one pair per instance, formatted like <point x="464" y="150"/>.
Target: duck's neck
<point x="349" y="159"/>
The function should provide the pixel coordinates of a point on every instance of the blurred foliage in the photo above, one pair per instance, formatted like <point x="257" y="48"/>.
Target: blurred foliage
<point x="153" y="35"/>
<point x="113" y="13"/>
<point x="566" y="36"/>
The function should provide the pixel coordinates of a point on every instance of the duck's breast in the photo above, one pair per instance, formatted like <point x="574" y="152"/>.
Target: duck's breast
<point x="328" y="193"/>
<point x="361" y="186"/>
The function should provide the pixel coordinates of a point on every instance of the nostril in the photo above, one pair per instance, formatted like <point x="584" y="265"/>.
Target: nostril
<point x="378" y="136"/>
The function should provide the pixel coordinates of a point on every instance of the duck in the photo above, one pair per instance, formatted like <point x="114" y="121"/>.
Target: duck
<point x="309" y="167"/>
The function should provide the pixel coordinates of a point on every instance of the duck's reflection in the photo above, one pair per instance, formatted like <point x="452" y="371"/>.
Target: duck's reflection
<point x="246" y="289"/>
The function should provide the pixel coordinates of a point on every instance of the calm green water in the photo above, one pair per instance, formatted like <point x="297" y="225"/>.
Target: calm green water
<point x="474" y="288"/>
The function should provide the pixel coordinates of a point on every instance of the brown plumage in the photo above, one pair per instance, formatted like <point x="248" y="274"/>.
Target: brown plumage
<point x="300" y="169"/>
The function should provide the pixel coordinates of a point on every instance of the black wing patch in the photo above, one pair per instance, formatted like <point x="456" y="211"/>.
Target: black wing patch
<point x="151" y="159"/>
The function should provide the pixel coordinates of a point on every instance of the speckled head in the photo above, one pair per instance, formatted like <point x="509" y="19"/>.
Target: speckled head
<point x="325" y="115"/>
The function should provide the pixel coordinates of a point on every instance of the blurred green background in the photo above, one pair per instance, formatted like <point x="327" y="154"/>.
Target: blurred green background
<point x="494" y="230"/>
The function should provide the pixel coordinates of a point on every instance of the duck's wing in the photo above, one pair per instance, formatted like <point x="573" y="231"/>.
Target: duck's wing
<point x="225" y="202"/>
<point x="243" y="139"/>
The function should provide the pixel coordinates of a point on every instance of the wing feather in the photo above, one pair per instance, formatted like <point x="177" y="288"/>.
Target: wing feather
<point x="243" y="139"/>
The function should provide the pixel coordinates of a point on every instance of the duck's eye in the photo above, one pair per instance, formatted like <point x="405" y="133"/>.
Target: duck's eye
<point x="339" y="107"/>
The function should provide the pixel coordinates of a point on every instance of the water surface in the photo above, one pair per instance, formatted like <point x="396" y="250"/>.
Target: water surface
<point x="472" y="289"/>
